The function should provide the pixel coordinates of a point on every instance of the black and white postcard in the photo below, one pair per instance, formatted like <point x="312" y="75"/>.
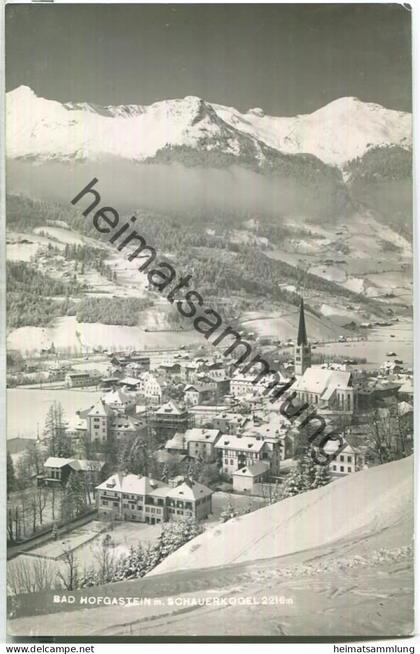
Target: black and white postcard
<point x="209" y="321"/>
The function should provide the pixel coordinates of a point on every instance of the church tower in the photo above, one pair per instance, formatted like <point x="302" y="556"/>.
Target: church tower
<point x="302" y="348"/>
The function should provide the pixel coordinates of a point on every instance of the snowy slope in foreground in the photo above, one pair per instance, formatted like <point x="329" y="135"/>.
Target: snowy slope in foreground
<point x="337" y="133"/>
<point x="366" y="501"/>
<point x="357" y="585"/>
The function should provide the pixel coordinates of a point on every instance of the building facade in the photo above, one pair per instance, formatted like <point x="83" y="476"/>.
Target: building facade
<point x="142" y="499"/>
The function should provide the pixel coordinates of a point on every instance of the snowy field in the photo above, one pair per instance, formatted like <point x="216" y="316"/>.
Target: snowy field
<point x="346" y="583"/>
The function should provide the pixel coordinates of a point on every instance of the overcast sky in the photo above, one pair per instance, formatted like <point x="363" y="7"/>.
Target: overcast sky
<point x="287" y="59"/>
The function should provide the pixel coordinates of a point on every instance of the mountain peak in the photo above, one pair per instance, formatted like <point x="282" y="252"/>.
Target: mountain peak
<point x="53" y="129"/>
<point x="22" y="91"/>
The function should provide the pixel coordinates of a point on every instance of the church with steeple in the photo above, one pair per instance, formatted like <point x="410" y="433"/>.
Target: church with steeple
<point x="332" y="390"/>
<point x="302" y="347"/>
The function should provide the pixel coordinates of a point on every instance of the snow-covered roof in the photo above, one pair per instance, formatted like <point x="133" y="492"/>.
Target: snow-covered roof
<point x="202" y="435"/>
<point x="253" y="470"/>
<point x="75" y="464"/>
<point x="131" y="484"/>
<point x="177" y="442"/>
<point x="57" y="462"/>
<point x="189" y="490"/>
<point x="170" y="408"/>
<point x="245" y="443"/>
<point x="76" y="423"/>
<point x="317" y="380"/>
<point x="117" y="397"/>
<point x="100" y="409"/>
<point x="130" y="381"/>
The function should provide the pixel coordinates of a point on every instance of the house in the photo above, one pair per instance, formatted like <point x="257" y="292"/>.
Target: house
<point x="78" y="379"/>
<point x="76" y="428"/>
<point x="170" y="368"/>
<point x="242" y="385"/>
<point x="273" y="428"/>
<point x="246" y="386"/>
<point x="351" y="459"/>
<point x="188" y="370"/>
<point x="57" y="470"/>
<point x="120" y="401"/>
<point x="109" y="382"/>
<point x="138" y="363"/>
<point x="176" y="444"/>
<point x="204" y="414"/>
<point x="104" y="422"/>
<point x="187" y="499"/>
<point x="246" y="479"/>
<point x="229" y="422"/>
<point x="169" y="419"/>
<point x="132" y="383"/>
<point x="98" y="419"/>
<point x="234" y="452"/>
<point x="376" y="392"/>
<point x="142" y="499"/>
<point x="154" y="389"/>
<point x="200" y="443"/>
<point x="121" y="425"/>
<point x="198" y="394"/>
<point x="215" y="370"/>
<point x="131" y="497"/>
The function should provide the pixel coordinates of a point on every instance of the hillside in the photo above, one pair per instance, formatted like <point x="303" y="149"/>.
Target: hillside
<point x="79" y="131"/>
<point x="334" y="559"/>
<point x="365" y="502"/>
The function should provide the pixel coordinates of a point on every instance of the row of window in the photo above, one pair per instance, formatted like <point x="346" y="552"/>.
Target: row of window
<point x="335" y="468"/>
<point x="178" y="512"/>
<point x="151" y="509"/>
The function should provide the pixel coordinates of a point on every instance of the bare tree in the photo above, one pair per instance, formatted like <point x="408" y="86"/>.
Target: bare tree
<point x="41" y="498"/>
<point x="271" y="492"/>
<point x="69" y="575"/>
<point x="29" y="575"/>
<point x="10" y="534"/>
<point x="53" y="502"/>
<point x="33" y="510"/>
<point x="105" y="556"/>
<point x="390" y="434"/>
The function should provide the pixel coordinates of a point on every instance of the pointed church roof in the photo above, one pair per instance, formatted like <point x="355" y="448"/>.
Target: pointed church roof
<point x="302" y="338"/>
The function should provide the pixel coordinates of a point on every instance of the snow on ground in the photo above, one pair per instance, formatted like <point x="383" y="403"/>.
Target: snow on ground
<point x="137" y="132"/>
<point x="27" y="423"/>
<point x="355" y="284"/>
<point x="363" y="502"/>
<point x="63" y="334"/>
<point x="328" y="310"/>
<point x="60" y="234"/>
<point x="283" y="324"/>
<point x="357" y="585"/>
<point x="22" y="246"/>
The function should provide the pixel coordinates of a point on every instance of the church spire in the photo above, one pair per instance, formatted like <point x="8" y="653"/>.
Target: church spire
<point x="302" y="347"/>
<point x="302" y="338"/>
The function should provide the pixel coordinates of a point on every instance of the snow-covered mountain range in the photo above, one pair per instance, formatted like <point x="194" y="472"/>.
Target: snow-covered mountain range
<point x="344" y="129"/>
